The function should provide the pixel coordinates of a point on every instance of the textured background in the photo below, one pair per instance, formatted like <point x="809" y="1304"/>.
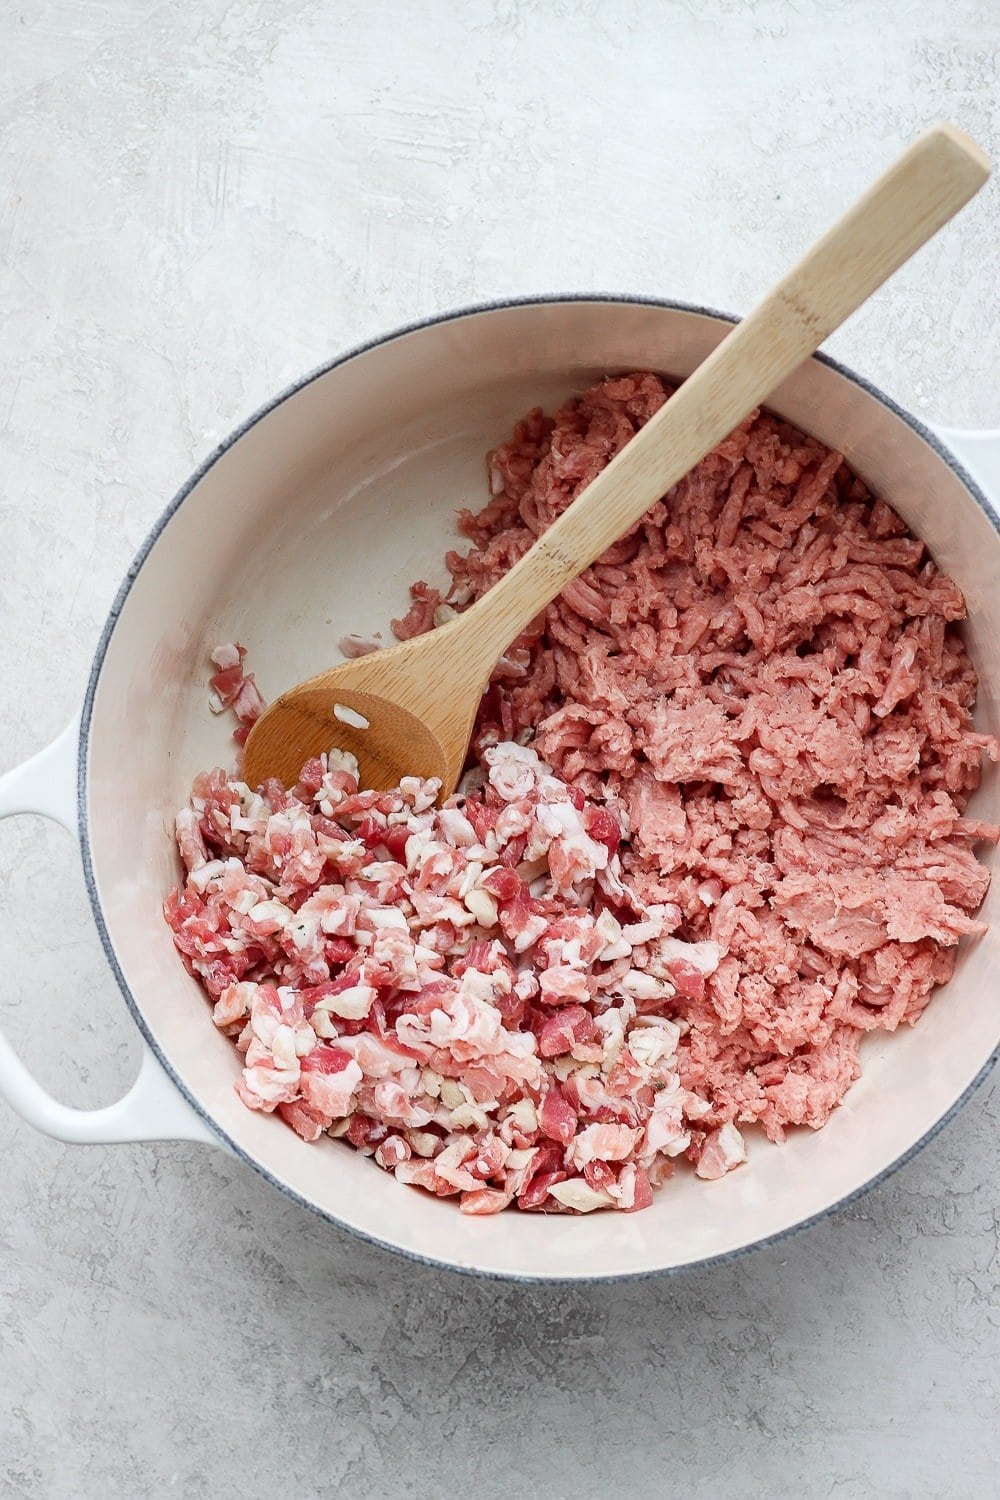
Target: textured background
<point x="197" y="203"/>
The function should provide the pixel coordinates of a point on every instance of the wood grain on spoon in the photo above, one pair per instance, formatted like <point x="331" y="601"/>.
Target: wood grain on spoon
<point x="420" y="698"/>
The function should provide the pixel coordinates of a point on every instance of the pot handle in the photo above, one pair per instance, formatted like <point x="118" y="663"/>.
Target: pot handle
<point x="153" y="1109"/>
<point x="979" y="452"/>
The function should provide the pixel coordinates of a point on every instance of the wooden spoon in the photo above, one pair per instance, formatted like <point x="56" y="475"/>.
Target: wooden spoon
<point x="409" y="710"/>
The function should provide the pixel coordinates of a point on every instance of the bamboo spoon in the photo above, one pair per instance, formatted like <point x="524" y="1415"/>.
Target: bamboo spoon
<point x="409" y="710"/>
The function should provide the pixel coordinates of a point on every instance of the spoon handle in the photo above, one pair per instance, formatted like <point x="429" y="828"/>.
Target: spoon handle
<point x="924" y="188"/>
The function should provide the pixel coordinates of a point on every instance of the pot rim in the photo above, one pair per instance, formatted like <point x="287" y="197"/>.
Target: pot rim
<point x="125" y="588"/>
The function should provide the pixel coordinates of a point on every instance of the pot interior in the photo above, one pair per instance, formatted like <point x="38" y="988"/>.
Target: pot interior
<point x="312" y="524"/>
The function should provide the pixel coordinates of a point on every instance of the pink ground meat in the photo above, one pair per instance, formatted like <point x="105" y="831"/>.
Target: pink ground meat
<point x="735" y="843"/>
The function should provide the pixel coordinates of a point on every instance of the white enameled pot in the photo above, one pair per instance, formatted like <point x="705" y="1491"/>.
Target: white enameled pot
<point x="310" y="522"/>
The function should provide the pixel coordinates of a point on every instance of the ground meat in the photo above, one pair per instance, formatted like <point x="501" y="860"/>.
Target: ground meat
<point x="711" y="834"/>
<point x="767" y="683"/>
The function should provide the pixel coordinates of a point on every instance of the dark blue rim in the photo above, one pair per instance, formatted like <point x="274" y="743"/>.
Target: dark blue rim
<point x="705" y="1263"/>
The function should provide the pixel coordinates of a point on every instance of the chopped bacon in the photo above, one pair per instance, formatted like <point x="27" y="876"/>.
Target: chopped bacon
<point x="601" y="826"/>
<point x="560" y="1032"/>
<point x="323" y="1059"/>
<point x="557" y="1118"/>
<point x="234" y="688"/>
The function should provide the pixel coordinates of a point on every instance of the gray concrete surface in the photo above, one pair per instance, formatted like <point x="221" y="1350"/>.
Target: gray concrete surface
<point x="198" y="202"/>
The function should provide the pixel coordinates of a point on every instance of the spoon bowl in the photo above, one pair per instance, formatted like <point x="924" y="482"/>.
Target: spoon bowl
<point x="384" y="709"/>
